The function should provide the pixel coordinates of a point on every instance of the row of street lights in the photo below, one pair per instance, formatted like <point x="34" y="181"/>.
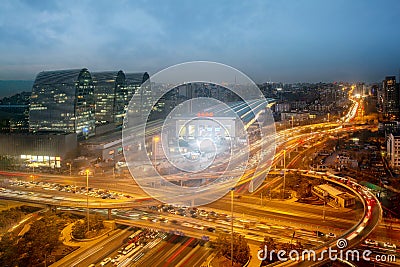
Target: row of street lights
<point x="87" y="172"/>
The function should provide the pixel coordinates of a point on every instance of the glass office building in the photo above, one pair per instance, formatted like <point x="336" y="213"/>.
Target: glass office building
<point x="113" y="90"/>
<point x="123" y="94"/>
<point x="63" y="101"/>
<point x="106" y="86"/>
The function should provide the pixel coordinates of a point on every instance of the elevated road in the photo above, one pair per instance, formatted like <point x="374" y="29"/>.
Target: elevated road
<point x="94" y="203"/>
<point x="355" y="235"/>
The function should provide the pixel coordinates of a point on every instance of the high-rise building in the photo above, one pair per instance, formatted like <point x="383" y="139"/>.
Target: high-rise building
<point x="389" y="98"/>
<point x="107" y="85"/>
<point x="359" y="89"/>
<point x="113" y="90"/>
<point x="63" y="101"/>
<point x="72" y="101"/>
<point x="393" y="150"/>
<point x="133" y="82"/>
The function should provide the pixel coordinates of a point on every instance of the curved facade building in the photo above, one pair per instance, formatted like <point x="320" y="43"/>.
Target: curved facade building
<point x="123" y="94"/>
<point x="113" y="90"/>
<point x="106" y="86"/>
<point x="63" y="101"/>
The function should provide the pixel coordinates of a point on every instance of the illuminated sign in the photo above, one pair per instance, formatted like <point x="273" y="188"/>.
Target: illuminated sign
<point x="205" y="114"/>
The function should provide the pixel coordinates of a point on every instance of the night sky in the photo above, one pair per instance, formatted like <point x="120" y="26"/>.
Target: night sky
<point x="288" y="41"/>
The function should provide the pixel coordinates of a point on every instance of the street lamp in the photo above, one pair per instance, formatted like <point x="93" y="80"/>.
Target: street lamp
<point x="292" y="120"/>
<point x="70" y="168"/>
<point x="87" y="198"/>
<point x="284" y="173"/>
<point x="33" y="168"/>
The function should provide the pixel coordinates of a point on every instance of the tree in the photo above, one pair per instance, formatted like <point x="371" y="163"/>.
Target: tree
<point x="96" y="224"/>
<point x="8" y="250"/>
<point x="41" y="239"/>
<point x="79" y="230"/>
<point x="241" y="250"/>
<point x="304" y="190"/>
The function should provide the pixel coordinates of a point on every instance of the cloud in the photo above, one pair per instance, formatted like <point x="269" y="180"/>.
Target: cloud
<point x="263" y="38"/>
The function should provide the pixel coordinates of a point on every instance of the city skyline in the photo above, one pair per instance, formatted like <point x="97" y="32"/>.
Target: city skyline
<point x="294" y="41"/>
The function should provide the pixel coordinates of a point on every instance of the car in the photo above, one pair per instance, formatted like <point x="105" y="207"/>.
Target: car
<point x="187" y="224"/>
<point x="211" y="229"/>
<point x="389" y="245"/>
<point x="199" y="227"/>
<point x="115" y="258"/>
<point x="105" y="261"/>
<point x="319" y="234"/>
<point x="212" y="213"/>
<point x="385" y="182"/>
<point x="331" y="235"/>
<point x="371" y="242"/>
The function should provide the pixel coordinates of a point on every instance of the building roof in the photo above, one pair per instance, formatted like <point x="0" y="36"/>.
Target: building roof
<point x="104" y="138"/>
<point x="136" y="78"/>
<point x="395" y="135"/>
<point x="58" y="76"/>
<point x="105" y="77"/>
<point x="346" y="196"/>
<point x="330" y="189"/>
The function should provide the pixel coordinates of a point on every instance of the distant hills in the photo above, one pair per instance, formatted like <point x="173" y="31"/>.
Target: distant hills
<point x="12" y="87"/>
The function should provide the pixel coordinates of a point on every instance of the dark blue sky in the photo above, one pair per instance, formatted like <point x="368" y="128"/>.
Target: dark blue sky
<point x="287" y="41"/>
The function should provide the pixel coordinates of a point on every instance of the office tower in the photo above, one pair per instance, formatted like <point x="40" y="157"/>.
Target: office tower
<point x="63" y="101"/>
<point x="107" y="85"/>
<point x="390" y="98"/>
<point x="124" y="94"/>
